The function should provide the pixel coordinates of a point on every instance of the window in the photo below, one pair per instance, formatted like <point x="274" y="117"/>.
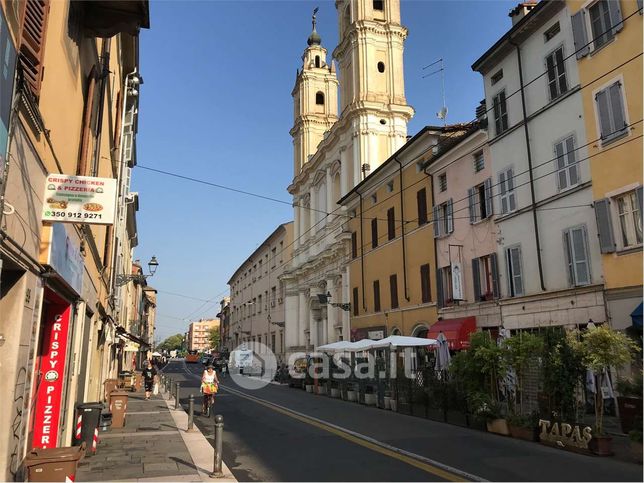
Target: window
<point x="566" y="164"/>
<point x="600" y="23"/>
<point x="374" y="232"/>
<point x="32" y="42"/>
<point x="515" y="271"/>
<point x="443" y="218"/>
<point x="391" y="224"/>
<point x="274" y="257"/>
<point x="479" y="162"/>
<point x="444" y="286"/>
<point x="421" y="201"/>
<point x="259" y="304"/>
<point x="374" y="199"/>
<point x="480" y="201"/>
<point x="354" y="245"/>
<point x="425" y="284"/>
<point x="317" y="64"/>
<point x="273" y="296"/>
<point x="376" y="295"/>
<point x="381" y="67"/>
<point x="393" y="290"/>
<point x="576" y="250"/>
<point x="273" y="342"/>
<point x="281" y="251"/>
<point x="378" y="5"/>
<point x="319" y="99"/>
<point x="496" y="77"/>
<point x="485" y="275"/>
<point x="630" y="218"/>
<point x="551" y="32"/>
<point x="506" y="191"/>
<point x="556" y="70"/>
<point x="500" y="113"/>
<point x="442" y="182"/>
<point x="355" y="301"/>
<point x="390" y="187"/>
<point x="610" y="110"/>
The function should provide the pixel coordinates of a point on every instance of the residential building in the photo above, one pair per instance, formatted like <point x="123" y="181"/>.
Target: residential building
<point x="198" y="337"/>
<point x="58" y="309"/>
<point x="548" y="253"/>
<point x="392" y="261"/>
<point x="608" y="37"/>
<point x="334" y="151"/>
<point x="257" y="302"/>
<point x="224" y="326"/>
<point x="467" y="273"/>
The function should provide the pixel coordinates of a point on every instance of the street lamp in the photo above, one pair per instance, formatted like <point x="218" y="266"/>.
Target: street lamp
<point x="326" y="299"/>
<point x="153" y="264"/>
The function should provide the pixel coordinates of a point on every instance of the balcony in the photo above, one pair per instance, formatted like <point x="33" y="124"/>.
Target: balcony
<point x="106" y="18"/>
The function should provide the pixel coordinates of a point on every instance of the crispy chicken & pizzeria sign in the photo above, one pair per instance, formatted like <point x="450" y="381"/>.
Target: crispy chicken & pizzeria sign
<point x="79" y="199"/>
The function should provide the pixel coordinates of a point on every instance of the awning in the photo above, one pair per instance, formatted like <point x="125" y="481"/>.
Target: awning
<point x="636" y="315"/>
<point x="123" y="333"/>
<point x="457" y="331"/>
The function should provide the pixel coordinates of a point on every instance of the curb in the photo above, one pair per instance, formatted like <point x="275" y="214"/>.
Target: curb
<point x="201" y="451"/>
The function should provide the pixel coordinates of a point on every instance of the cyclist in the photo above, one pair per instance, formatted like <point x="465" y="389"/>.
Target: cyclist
<point x="209" y="387"/>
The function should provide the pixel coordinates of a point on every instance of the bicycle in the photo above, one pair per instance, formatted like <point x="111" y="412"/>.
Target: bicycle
<point x="209" y="391"/>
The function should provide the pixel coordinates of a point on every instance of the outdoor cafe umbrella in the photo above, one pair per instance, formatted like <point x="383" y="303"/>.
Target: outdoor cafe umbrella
<point x="359" y="346"/>
<point x="394" y="341"/>
<point x="339" y="346"/>
<point x="442" y="353"/>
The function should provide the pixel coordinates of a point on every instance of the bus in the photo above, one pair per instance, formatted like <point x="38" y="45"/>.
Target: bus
<point x="192" y="356"/>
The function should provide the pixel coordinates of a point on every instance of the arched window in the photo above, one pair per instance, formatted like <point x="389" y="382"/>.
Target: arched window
<point x="317" y="61"/>
<point x="381" y="67"/>
<point x="319" y="98"/>
<point x="379" y="5"/>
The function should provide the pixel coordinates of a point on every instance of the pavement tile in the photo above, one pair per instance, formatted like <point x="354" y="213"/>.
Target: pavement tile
<point x="164" y="467"/>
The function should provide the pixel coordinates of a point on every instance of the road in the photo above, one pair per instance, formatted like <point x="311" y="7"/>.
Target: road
<point x="282" y="434"/>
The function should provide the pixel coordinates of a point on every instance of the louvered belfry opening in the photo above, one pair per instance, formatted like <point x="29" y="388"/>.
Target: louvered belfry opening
<point x="32" y="42"/>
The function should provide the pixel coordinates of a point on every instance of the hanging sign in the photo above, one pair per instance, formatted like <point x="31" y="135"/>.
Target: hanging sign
<point x="79" y="199"/>
<point x="457" y="281"/>
<point x="52" y="372"/>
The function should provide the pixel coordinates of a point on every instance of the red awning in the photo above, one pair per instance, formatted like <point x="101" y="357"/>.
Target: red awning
<point x="457" y="331"/>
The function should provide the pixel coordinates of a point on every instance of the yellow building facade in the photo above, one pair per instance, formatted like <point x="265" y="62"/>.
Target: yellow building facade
<point x="608" y="40"/>
<point x="392" y="258"/>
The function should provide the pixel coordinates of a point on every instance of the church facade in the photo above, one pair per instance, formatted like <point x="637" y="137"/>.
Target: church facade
<point x="350" y="115"/>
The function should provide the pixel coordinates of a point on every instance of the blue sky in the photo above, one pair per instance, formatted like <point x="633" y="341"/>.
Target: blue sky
<point x="216" y="105"/>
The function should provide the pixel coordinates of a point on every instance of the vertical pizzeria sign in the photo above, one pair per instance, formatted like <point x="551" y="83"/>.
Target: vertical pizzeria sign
<point x="79" y="199"/>
<point x="50" y="387"/>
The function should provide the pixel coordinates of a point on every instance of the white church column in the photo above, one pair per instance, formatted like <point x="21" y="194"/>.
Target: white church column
<point x="357" y="177"/>
<point x="331" y="311"/>
<point x="291" y="315"/>
<point x="313" y="211"/>
<point x="296" y="224"/>
<point x="303" y="319"/>
<point x="344" y="172"/>
<point x="374" y="160"/>
<point x="330" y="202"/>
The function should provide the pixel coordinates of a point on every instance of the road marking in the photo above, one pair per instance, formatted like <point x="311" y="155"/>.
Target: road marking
<point x="441" y="470"/>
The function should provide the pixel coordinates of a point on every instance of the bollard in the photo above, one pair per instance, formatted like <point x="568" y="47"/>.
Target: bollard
<point x="219" y="436"/>
<point x="191" y="412"/>
<point x="176" y="396"/>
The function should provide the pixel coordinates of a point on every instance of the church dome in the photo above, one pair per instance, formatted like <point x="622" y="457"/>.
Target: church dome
<point x="314" y="39"/>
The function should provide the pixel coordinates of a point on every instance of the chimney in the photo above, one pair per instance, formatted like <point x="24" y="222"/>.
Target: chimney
<point x="521" y="10"/>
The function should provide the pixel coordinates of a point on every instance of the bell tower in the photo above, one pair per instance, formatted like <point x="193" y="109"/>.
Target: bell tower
<point x="315" y="100"/>
<point x="370" y="58"/>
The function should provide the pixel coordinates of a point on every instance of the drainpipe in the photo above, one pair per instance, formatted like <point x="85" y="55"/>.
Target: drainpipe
<point x="431" y="193"/>
<point x="105" y="72"/>
<point x="364" y="303"/>
<point x="533" y="206"/>
<point x="402" y="227"/>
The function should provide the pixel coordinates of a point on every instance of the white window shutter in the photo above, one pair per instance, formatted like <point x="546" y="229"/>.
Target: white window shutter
<point x="436" y="220"/>
<point x="512" y="202"/>
<point x="615" y="15"/>
<point x="489" y="206"/>
<point x="579" y="34"/>
<point x="471" y="201"/>
<point x="603" y="111"/>
<point x="450" y="216"/>
<point x="617" y="106"/>
<point x="604" y="226"/>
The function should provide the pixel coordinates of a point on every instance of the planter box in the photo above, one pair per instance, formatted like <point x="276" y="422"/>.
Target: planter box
<point x="498" y="426"/>
<point x="309" y="388"/>
<point x="526" y="434"/>
<point x="322" y="390"/>
<point x="393" y="404"/>
<point x="629" y="409"/>
<point x="387" y="402"/>
<point x="601" y="445"/>
<point x="335" y="393"/>
<point x="370" y="399"/>
<point x="352" y="396"/>
<point x="636" y="451"/>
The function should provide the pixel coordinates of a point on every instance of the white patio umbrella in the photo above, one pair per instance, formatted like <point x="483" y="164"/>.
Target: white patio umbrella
<point x="339" y="346"/>
<point x="394" y="341"/>
<point x="442" y="353"/>
<point x="361" y="345"/>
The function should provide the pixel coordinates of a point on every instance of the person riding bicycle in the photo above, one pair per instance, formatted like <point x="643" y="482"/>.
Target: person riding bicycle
<point x="209" y="387"/>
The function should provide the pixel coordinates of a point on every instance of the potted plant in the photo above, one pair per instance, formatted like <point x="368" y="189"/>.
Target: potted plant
<point x="387" y="399"/>
<point x="352" y="394"/>
<point x="635" y="436"/>
<point x="482" y="406"/>
<point x="629" y="401"/>
<point x="335" y="390"/>
<point x="524" y="426"/>
<point x="370" y="397"/>
<point x="600" y="349"/>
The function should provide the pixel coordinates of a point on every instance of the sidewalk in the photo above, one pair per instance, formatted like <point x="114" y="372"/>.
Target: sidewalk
<point x="153" y="446"/>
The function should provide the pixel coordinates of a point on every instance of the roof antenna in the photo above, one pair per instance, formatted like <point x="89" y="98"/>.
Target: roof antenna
<point x="442" y="114"/>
